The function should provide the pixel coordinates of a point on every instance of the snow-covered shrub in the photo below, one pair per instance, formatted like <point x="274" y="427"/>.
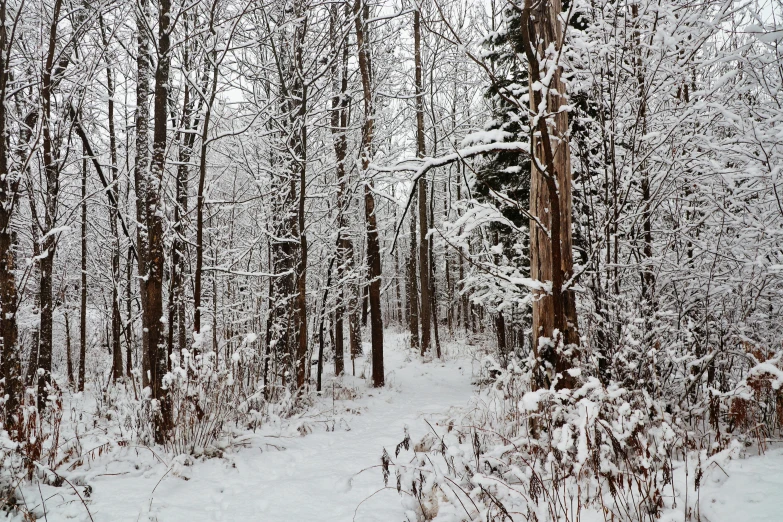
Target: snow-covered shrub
<point x="206" y="399"/>
<point x="547" y="455"/>
<point x="34" y="448"/>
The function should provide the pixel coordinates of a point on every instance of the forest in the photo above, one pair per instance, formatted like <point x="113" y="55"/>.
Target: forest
<point x="374" y="260"/>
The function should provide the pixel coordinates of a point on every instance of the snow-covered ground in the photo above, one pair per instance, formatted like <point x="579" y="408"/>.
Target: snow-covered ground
<point x="750" y="490"/>
<point x="324" y="465"/>
<point x="332" y="473"/>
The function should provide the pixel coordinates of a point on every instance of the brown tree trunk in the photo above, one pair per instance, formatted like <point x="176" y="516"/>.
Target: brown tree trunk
<point x="424" y="265"/>
<point x="9" y="185"/>
<point x="116" y="319"/>
<point x="361" y="13"/>
<point x="154" y="309"/>
<point x="339" y="124"/>
<point x="554" y="310"/>
<point x="141" y="174"/>
<point x="52" y="174"/>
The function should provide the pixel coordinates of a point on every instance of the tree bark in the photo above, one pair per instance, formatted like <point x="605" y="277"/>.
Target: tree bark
<point x="141" y="173"/>
<point x="200" y="197"/>
<point x="361" y="13"/>
<point x="68" y="352"/>
<point x="424" y="265"/>
<point x="51" y="174"/>
<point x="554" y="310"/>
<point x="83" y="286"/>
<point x="155" y="215"/>
<point x="9" y="185"/>
<point x="300" y="91"/>
<point x="413" y="279"/>
<point x="339" y="124"/>
<point x="116" y="319"/>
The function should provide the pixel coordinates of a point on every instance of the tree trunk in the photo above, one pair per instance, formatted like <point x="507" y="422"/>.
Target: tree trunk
<point x="433" y="294"/>
<point x="83" y="286"/>
<point x="68" y="351"/>
<point x="424" y="265"/>
<point x="554" y="311"/>
<point x="361" y="13"/>
<point x="9" y="185"/>
<point x="35" y="334"/>
<point x="52" y="174"/>
<point x="200" y="197"/>
<point x="155" y="213"/>
<point x="413" y="279"/>
<point x="186" y="142"/>
<point x="141" y="174"/>
<point x="339" y="124"/>
<point x="300" y="91"/>
<point x="116" y="319"/>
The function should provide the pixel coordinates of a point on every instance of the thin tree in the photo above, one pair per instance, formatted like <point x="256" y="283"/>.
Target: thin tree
<point x="423" y="207"/>
<point x="9" y="190"/>
<point x="116" y="320"/>
<point x="361" y="15"/>
<point x="155" y="215"/>
<point x="51" y="196"/>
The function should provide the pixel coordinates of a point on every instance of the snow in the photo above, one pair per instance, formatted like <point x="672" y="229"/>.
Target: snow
<point x="324" y="464"/>
<point x="331" y="474"/>
<point x="750" y="493"/>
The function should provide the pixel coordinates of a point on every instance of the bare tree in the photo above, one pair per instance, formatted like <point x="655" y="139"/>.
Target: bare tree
<point x="423" y="207"/>
<point x="361" y="13"/>
<point x="155" y="216"/>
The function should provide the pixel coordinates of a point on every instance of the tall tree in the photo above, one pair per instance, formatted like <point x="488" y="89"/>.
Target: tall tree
<point x="155" y="215"/>
<point x="83" y="280"/>
<point x="9" y="190"/>
<point x="423" y="208"/>
<point x="52" y="169"/>
<point x="554" y="309"/>
<point x="116" y="319"/>
<point x="141" y="170"/>
<point x="361" y="15"/>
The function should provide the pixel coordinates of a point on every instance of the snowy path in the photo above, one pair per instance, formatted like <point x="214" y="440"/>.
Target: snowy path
<point x="311" y="478"/>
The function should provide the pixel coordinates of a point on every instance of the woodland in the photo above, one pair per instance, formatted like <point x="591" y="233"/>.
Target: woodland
<point x="558" y="221"/>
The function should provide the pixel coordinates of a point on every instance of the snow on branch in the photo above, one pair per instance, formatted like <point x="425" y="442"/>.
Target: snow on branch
<point x="420" y="167"/>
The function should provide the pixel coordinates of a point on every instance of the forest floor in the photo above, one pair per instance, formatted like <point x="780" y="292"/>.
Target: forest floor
<point x="332" y="473"/>
<point x="745" y="490"/>
<point x="323" y="464"/>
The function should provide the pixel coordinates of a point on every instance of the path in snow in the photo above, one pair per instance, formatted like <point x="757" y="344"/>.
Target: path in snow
<point x="311" y="478"/>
